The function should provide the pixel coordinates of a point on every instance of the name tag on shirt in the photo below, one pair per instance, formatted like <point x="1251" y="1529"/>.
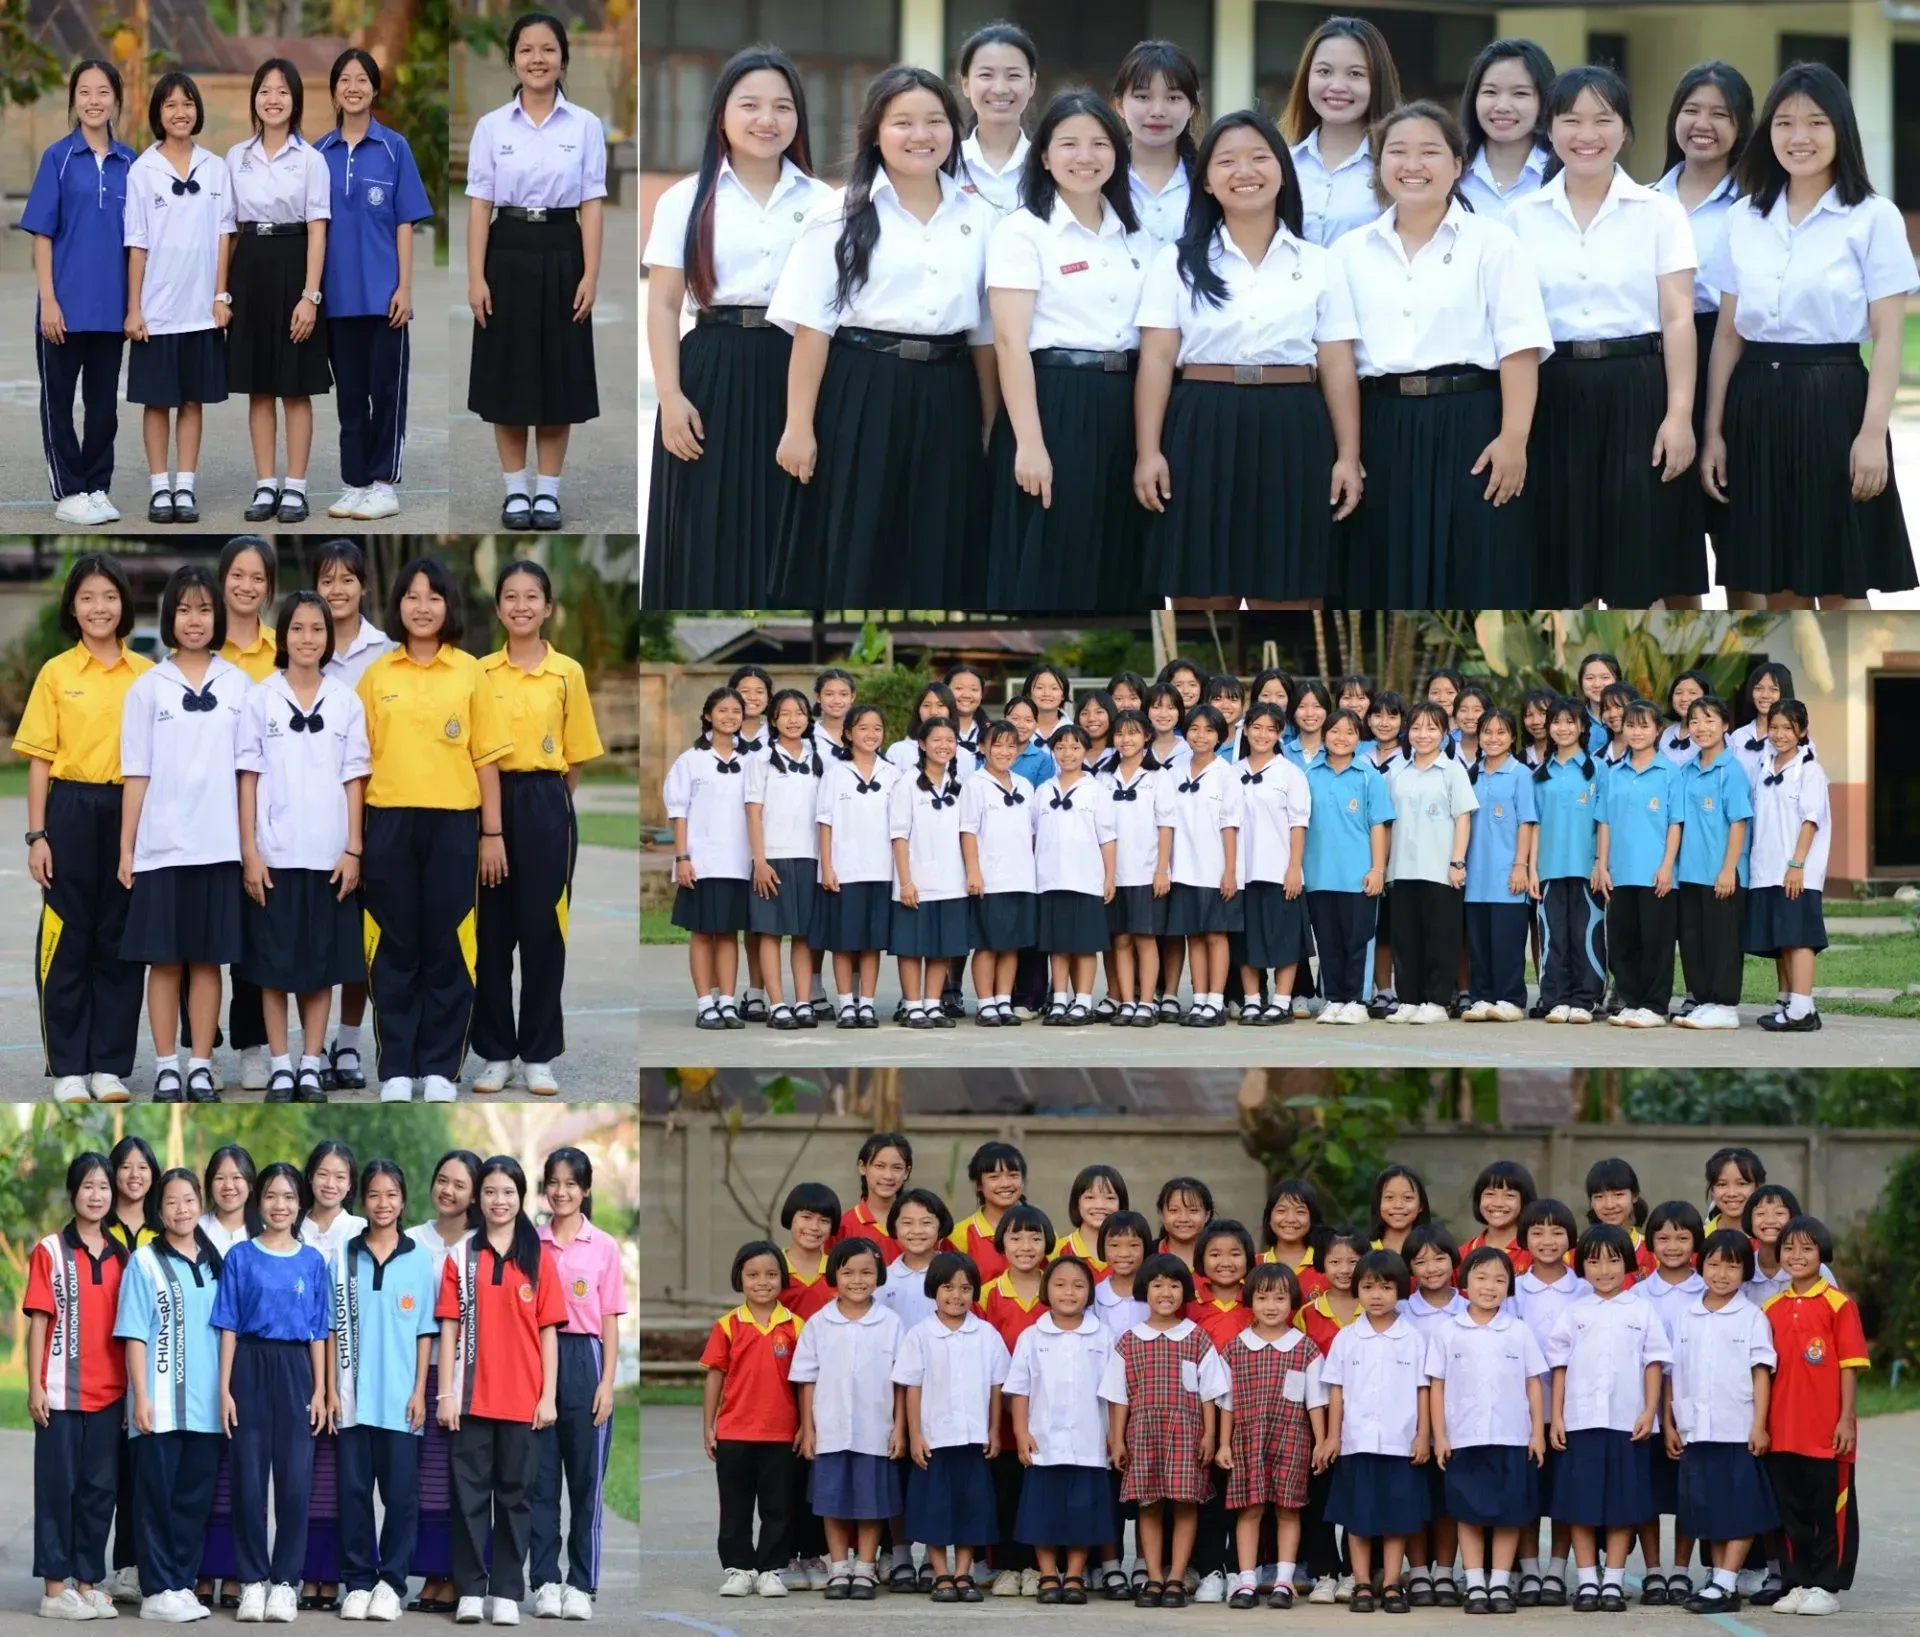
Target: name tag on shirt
<point x="1074" y="267"/>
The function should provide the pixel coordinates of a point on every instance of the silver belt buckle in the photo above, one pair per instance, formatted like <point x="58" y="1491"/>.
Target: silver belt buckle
<point x="1587" y="350"/>
<point x="1114" y="363"/>
<point x="753" y="318"/>
<point x="264" y="229"/>
<point x="536" y="213"/>
<point x="1413" y="386"/>
<point x="916" y="352"/>
<point x="1247" y="375"/>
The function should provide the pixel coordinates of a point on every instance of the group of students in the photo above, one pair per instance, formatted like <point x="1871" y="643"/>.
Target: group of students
<point x="1391" y="358"/>
<point x="1298" y="848"/>
<point x="284" y="271"/>
<point x="310" y="802"/>
<point x="989" y="1386"/>
<point x="191" y="1339"/>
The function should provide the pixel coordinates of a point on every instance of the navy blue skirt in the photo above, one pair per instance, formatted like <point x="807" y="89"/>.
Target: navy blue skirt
<point x="1663" y="1477"/>
<point x="1192" y="911"/>
<point x="188" y="913"/>
<point x="1725" y="1493"/>
<point x="1136" y="912"/>
<point x="1378" y="1495"/>
<point x="1071" y="923"/>
<point x="852" y="1486"/>
<point x="937" y="930"/>
<point x="189" y="367"/>
<point x="1776" y="922"/>
<point x="789" y="912"/>
<point x="1276" y="926"/>
<point x="1065" y="1506"/>
<point x="951" y="1502"/>
<point x="304" y="938"/>
<point x="855" y="919"/>
<point x="1495" y="1486"/>
<point x="1601" y="1480"/>
<point x="714" y="904"/>
<point x="1005" y="921"/>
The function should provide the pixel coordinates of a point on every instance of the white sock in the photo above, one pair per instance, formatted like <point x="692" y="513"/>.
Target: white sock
<point x="1060" y="997"/>
<point x="1590" y="1576"/>
<point x="1004" y="1002"/>
<point x="183" y="480"/>
<point x="1217" y="1000"/>
<point x="1530" y="1565"/>
<point x="701" y="1003"/>
<point x="863" y="1568"/>
<point x="281" y="1061"/>
<point x="198" y="1063"/>
<point x="1615" y="1576"/>
<point x="1433" y="1571"/>
<point x="159" y="483"/>
<point x="309" y="1061"/>
<point x="1499" y="1578"/>
<point x="755" y="993"/>
<point x="1476" y="1577"/>
<point x="516" y="482"/>
<point x="1082" y="1000"/>
<point x="545" y="485"/>
<point x="1799" y="1005"/>
<point x="916" y="1008"/>
<point x="842" y="1002"/>
<point x="294" y="485"/>
<point x="1284" y="1572"/>
<point x="1242" y="1578"/>
<point x="170" y="1061"/>
<point x="347" y="1036"/>
<point x="1725" y="1579"/>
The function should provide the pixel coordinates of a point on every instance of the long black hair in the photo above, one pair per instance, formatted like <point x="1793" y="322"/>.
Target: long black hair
<point x="180" y="1173"/>
<point x="1204" y="213"/>
<point x="576" y="1161"/>
<point x="1038" y="189"/>
<point x="697" y="249"/>
<point x="525" y="1250"/>
<point x="468" y="1158"/>
<point x="149" y="1207"/>
<point x="333" y="1148"/>
<point x="860" y="229"/>
<point x="1539" y="66"/>
<point x="1761" y="176"/>
<point x="243" y="1163"/>
<point x="1732" y="86"/>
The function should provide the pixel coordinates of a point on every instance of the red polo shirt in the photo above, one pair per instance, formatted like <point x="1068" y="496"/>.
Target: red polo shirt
<point x="972" y="1237"/>
<point x="83" y="1365"/>
<point x="804" y="1297"/>
<point x="861" y="1223"/>
<point x="500" y="1337"/>
<point x="1222" y="1321"/>
<point x="757" y="1406"/>
<point x="1816" y="1337"/>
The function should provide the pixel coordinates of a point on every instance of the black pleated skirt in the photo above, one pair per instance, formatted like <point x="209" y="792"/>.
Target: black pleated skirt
<point x="937" y="929"/>
<point x="1072" y="923"/>
<point x="789" y="912"/>
<point x="1277" y="932"/>
<point x="1792" y="522"/>
<point x="267" y="279"/>
<point x="1775" y="922"/>
<point x="1605" y="526"/>
<point x="714" y="904"/>
<point x="1082" y="553"/>
<point x="1136" y="912"/>
<point x="1004" y="921"/>
<point x="1424" y="535"/>
<point x="1192" y="911"/>
<point x="896" y="514"/>
<point x="1249" y="515"/>
<point x="1713" y="513"/>
<point x="532" y="364"/>
<point x="187" y="914"/>
<point x="167" y="371"/>
<point x="857" y="918"/>
<point x="1724" y="1493"/>
<point x="713" y="524"/>
<point x="304" y="938"/>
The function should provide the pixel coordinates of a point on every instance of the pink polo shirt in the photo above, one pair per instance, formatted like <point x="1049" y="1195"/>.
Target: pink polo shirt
<point x="589" y="1276"/>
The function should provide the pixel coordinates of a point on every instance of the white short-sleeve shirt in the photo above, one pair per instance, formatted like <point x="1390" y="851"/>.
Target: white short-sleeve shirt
<point x="1208" y="1379"/>
<point x="1136" y="829"/>
<point x="1708" y="219"/>
<point x="1484" y="193"/>
<point x="1425" y="1317"/>
<point x="1276" y="313"/>
<point x="788" y="795"/>
<point x="929" y="822"/>
<point x="709" y="791"/>
<point x="850" y="1364"/>
<point x="1380" y="1374"/>
<point x="1665" y="1299"/>
<point x="369" y="643"/>
<point x="1058" y="1373"/>
<point x="1605" y="1347"/>
<point x="180" y="233"/>
<point x="924" y="278"/>
<point x="1540" y="1304"/>
<point x="189" y="758"/>
<point x="560" y="162"/>
<point x="1714" y="1354"/>
<point x="1118" y="1313"/>
<point x="300" y="805"/>
<point x="1086" y="285"/>
<point x="1000" y="819"/>
<point x="1602" y="282"/>
<point x="1163" y="211"/>
<point x="1783" y="800"/>
<point x="1068" y="836"/>
<point x="292" y="185"/>
<point x="1000" y="188"/>
<point x="1334" y="201"/>
<point x="857" y="809"/>
<point x="750" y="240"/>
<point x="1274" y="802"/>
<point x="1426" y="802"/>
<point x="1468" y="297"/>
<point x="956" y="1371"/>
<point x="1486" y="1368"/>
<point x="905" y="755"/>
<point x="905" y="1292"/>
<point x="1812" y="283"/>
<point x="1199" y="809"/>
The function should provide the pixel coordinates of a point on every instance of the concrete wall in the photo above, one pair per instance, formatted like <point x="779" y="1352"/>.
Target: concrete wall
<point x="695" y="1180"/>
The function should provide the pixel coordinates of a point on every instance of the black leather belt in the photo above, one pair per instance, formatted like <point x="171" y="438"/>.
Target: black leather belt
<point x="1776" y="353"/>
<point x="1435" y="383"/>
<point x="912" y="349"/>
<point x="272" y="230"/>
<point x="1622" y="346"/>
<point x="744" y="318"/>
<point x="1110" y="363"/>
<point x="537" y="213"/>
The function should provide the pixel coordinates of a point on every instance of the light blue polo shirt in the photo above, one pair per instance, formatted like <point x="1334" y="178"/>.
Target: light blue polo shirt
<point x="1426" y="802"/>
<point x="375" y="186"/>
<point x="1300" y="759"/>
<point x="1034" y="763"/>
<point x="167" y="1302"/>
<point x="1638" y="811"/>
<point x="1346" y="807"/>
<point x="1506" y="803"/>
<point x="1567" y="803"/>
<point x="380" y="1312"/>
<point x="80" y="203"/>
<point x="1709" y="801"/>
<point x="1597" y="736"/>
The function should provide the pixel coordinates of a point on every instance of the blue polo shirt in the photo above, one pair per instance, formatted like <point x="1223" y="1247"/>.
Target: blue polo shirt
<point x="380" y="1312"/>
<point x="167" y="1302"/>
<point x="375" y="188"/>
<point x="1506" y="803"/>
<point x="1597" y="736"/>
<point x="1638" y="809"/>
<point x="1035" y="763"/>
<point x="80" y="203"/>
<point x="1709" y="801"/>
<point x="1346" y="807"/>
<point x="1290" y="748"/>
<point x="1567" y="803"/>
<point x="274" y="1295"/>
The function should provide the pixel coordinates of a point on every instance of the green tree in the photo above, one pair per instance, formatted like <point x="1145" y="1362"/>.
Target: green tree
<point x="28" y="70"/>
<point x="1883" y="1264"/>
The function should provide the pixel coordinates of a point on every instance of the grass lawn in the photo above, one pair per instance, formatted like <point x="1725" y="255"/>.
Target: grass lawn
<point x="1871" y="963"/>
<point x="13" y="1402"/>
<point x="622" y="1486"/>
<point x="650" y="1396"/>
<point x="1878" y="1398"/>
<point x="13" y="779"/>
<point x="1910" y="348"/>
<point x="1844" y="908"/>
<point x="610" y="830"/>
<point x="657" y="928"/>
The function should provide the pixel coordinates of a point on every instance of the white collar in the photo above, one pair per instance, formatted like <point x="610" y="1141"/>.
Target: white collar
<point x="278" y="681"/>
<point x="1179" y="1332"/>
<point x="1670" y="186"/>
<point x="883" y="184"/>
<point x="151" y="155"/>
<point x="1362" y="1326"/>
<point x="1088" y="1323"/>
<point x="561" y="106"/>
<point x="973" y="154"/>
<point x="1501" y="1319"/>
<point x="1360" y="155"/>
<point x="1653" y="1284"/>
<point x="791" y="176"/>
<point x="939" y="1330"/>
<point x="831" y="1314"/>
<point x="1734" y="1303"/>
<point x="1535" y="165"/>
<point x="1178" y="182"/>
<point x="1061" y="219"/>
<point x="1456" y="1303"/>
<point x="1567" y="1283"/>
<point x="1283" y="1344"/>
<point x="1453" y="224"/>
<point x="1828" y="201"/>
<point x="216" y="669"/>
<point x="258" y="142"/>
<point x="1621" y="189"/>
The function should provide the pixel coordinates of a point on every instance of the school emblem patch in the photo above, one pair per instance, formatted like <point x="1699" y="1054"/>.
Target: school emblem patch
<point x="780" y="1349"/>
<point x="376" y="196"/>
<point x="1353" y="804"/>
<point x="579" y="1287"/>
<point x="526" y="1292"/>
<point x="453" y="727"/>
<point x="546" y="744"/>
<point x="1499" y="811"/>
<point x="1815" y="1352"/>
<point x="407" y="1303"/>
<point x="1653" y="804"/>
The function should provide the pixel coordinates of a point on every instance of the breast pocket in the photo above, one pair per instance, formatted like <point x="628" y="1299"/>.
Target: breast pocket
<point x="1189" y="1376"/>
<point x="1294" y="1388"/>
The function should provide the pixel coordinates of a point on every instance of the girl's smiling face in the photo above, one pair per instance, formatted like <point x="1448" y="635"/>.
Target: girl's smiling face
<point x="1507" y="102"/>
<point x="1723" y="1275"/>
<point x="953" y="1300"/>
<point x="1533" y="718"/>
<point x="1672" y="1246"/>
<point x="93" y="1198"/>
<point x="1500" y="1205"/>
<point x="1706" y="729"/>
<point x="96" y="605"/>
<point x="726" y="716"/>
<point x="1399" y="1203"/>
<point x="1165" y="1297"/>
<point x="1343" y="738"/>
<point x="340" y="589"/>
<point x="1201" y="737"/>
<point x="423" y="611"/>
<point x="1243" y="172"/>
<point x="1594" y="677"/>
<point x="1704" y="129"/>
<point x="1612" y="713"/>
<point x="1162" y="713"/>
<point x="1432" y="1269"/>
<point x="193" y="621"/>
<point x="885" y="1175"/>
<point x="1442" y="692"/>
<point x="1339" y="81"/>
<point x="1424" y="735"/>
<point x="1565" y="731"/>
<point x="306" y="636"/>
<point x="1338" y="1265"/>
<point x="133" y="1178"/>
<point x="1124" y="697"/>
<point x="915" y="133"/>
<point x="229" y="1187"/>
<point x="1385" y="725"/>
<point x="1782" y="733"/>
<point x="452" y="1189"/>
<point x="1467" y="713"/>
<point x="93" y="100"/>
<point x="1685" y="692"/>
<point x="383" y="1201"/>
<point x="1588" y="137"/>
<point x="858" y="1277"/>
<point x="1309" y="716"/>
<point x="999" y="83"/>
<point x="965" y="688"/>
<point x="810" y="1230"/>
<point x="563" y="1190"/>
<point x="1262" y="735"/>
<point x="353" y="90"/>
<point x="499" y="1199"/>
<point x="836" y="699"/>
<point x="939" y="745"/>
<point x="1290" y="1220"/>
<point x="1640" y="733"/>
<point x="1002" y="1189"/>
<point x="1156" y="113"/>
<point x="1097" y="1202"/>
<point x="867" y="733"/>
<point x="1125" y="1253"/>
<point x="1046" y="692"/>
<point x="1377" y="1296"/>
<point x="330" y="1181"/>
<point x="1765" y="693"/>
<point x="1496" y="739"/>
<point x="1068" y="1293"/>
<point x="1613" y="1206"/>
<point x="279" y="1204"/>
<point x="1803" y="137"/>
<point x="1228" y="705"/>
<point x="273" y="102"/>
<point x="1225" y="1263"/>
<point x="1769" y="1217"/>
<point x="791" y="721"/>
<point x="1069" y="755"/>
<point x="917" y="1229"/>
<point x="1605" y="1272"/>
<point x="178" y="115"/>
<point x="761" y="1279"/>
<point x="523" y="609"/>
<point x="1417" y="164"/>
<point x="245" y="587"/>
<point x="537" y="58"/>
<point x="1731" y="1191"/>
<point x="1092" y="716"/>
<point x="760" y="120"/>
<point x="1022" y="718"/>
<point x="1186" y="683"/>
<point x="1182" y="1218"/>
<point x="1800" y="1256"/>
<point x="1272" y="1308"/>
<point x="179" y="1207"/>
<point x="1547" y="1243"/>
<point x="1002" y="752"/>
<point x="1487" y="1287"/>
<point x="1130" y="740"/>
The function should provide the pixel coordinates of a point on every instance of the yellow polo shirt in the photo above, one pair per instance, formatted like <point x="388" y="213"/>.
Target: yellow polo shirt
<point x="429" y="728"/>
<point x="546" y="712"/>
<point x="73" y="714"/>
<point x="256" y="659"/>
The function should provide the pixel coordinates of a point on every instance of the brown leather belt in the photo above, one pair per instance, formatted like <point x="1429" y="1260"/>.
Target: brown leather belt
<point x="1624" y="346"/>
<point x="1435" y="384"/>
<point x="1252" y="375"/>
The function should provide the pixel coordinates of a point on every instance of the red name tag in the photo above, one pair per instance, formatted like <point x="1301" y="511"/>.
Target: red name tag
<point x="1074" y="267"/>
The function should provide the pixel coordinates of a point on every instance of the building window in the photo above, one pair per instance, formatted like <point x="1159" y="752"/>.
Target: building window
<point x="1608" y="50"/>
<point x="838" y="45"/>
<point x="1906" y="125"/>
<point x="1081" y="42"/>
<point x="1432" y="50"/>
<point x="1835" y="50"/>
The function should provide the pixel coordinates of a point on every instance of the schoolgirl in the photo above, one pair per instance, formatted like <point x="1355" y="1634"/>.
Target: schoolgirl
<point x="1345" y="82"/>
<point x="1119" y="1298"/>
<point x="1187" y="679"/>
<point x="1443" y="688"/>
<point x="1535" y="747"/>
<point x="1200" y="813"/>
<point x="548" y="716"/>
<point x="179" y="219"/>
<point x="424" y="852"/>
<point x="997" y="826"/>
<point x="1156" y="89"/>
<point x="1613" y="1200"/>
<point x="706" y="802"/>
<point x="885" y="1164"/>
<point x="1596" y="674"/>
<point x="1715" y="806"/>
<point x="1352" y="692"/>
<point x="1185" y="1205"/>
<point x="1545" y="1289"/>
<point x="1064" y="275"/>
<point x="754" y="685"/>
<point x="1433" y="1263"/>
<point x="1225" y="695"/>
<point x="834" y="691"/>
<point x="1677" y="1239"/>
<point x="1489" y="1434"/>
<point x="333" y="1180"/>
<point x="282" y="202"/>
<point x="1098" y="1192"/>
<point x="274" y="1316"/>
<point x="1503" y="115"/>
<point x="1470" y="705"/>
<point x="999" y="70"/>
<point x="886" y="399"/>
<point x="1787" y="865"/>
<point x="1812" y="264"/>
<point x="1074" y="840"/>
<point x="1238" y="480"/>
<point x="301" y="816"/>
<point x="1765" y="686"/>
<point x="1034" y="763"/>
<point x="749" y="1424"/>
<point x="929" y="914"/>
<point x="1605" y="1354"/>
<point x="1615" y="697"/>
<point x="1384" y="748"/>
<point x="1732" y="1176"/>
<point x="1166" y="714"/>
<point x="1093" y="714"/>
<point x="998" y="1172"/>
<point x="367" y="281"/>
<point x="1292" y="1231"/>
<point x="229" y="1219"/>
<point x="69" y="733"/>
<point x="71" y="1301"/>
<point x="1345" y="866"/>
<point x="1433" y="804"/>
<point x="1764" y="1221"/>
<point x="1276" y="807"/>
<point x="936" y="700"/>
<point x="915" y="1227"/>
<point x="1399" y="1206"/>
<point x="1499" y="1198"/>
<point x="444" y="1235"/>
<point x="536" y="182"/>
<point x="500" y="1302"/>
<point x="1322" y="1318"/>
<point x="1013" y="1303"/>
<point x="1615" y="262"/>
<point x="1049" y="690"/>
<point x="1636" y="851"/>
<point x="856" y="866"/>
<point x="1573" y="933"/>
<point x="134" y="1221"/>
<point x="1500" y="871"/>
<point x="581" y="1438"/>
<point x="808" y="1214"/>
<point x="968" y="688"/>
<point x="1448" y="382"/>
<point x="180" y="739"/>
<point x="1676" y="743"/>
<point x="76" y="212"/>
<point x="1303" y="736"/>
<point x="719" y="241"/>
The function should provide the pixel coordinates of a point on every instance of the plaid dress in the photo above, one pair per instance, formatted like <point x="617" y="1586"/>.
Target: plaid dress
<point x="1272" y="1439"/>
<point x="1164" y="1422"/>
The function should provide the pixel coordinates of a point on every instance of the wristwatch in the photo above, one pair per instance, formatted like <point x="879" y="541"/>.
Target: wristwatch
<point x="1457" y="864"/>
<point x="224" y="299"/>
<point x="312" y="295"/>
<point x="35" y="835"/>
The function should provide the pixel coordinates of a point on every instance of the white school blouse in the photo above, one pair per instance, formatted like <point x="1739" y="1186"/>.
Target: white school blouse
<point x="929" y="822"/>
<point x="1712" y="1368"/>
<point x="1540" y="1304"/>
<point x="1058" y="1373"/>
<point x="924" y="278"/>
<point x="1708" y="219"/>
<point x="751" y="241"/>
<point x="331" y="1240"/>
<point x="1199" y="809"/>
<point x="1118" y="1313"/>
<point x="1426" y="801"/>
<point x="1483" y="192"/>
<point x="1602" y="282"/>
<point x="1754" y="752"/>
<point x="1136" y="828"/>
<point x="1677" y="747"/>
<point x="1380" y="1374"/>
<point x="1338" y="200"/>
<point x="1783" y="800"/>
<point x="1468" y="297"/>
<point x="1000" y="819"/>
<point x="862" y="822"/>
<point x="1276" y="313"/>
<point x="221" y="1238"/>
<point x="292" y="185"/>
<point x="1208" y="1379"/>
<point x="1425" y="1317"/>
<point x="850" y="1364"/>
<point x="710" y="792"/>
<point x="905" y="1292"/>
<point x="1086" y="285"/>
<point x="956" y="1372"/>
<point x="905" y="755"/>
<point x="300" y="804"/>
<point x="1605" y="1347"/>
<point x="369" y="643"/>
<point x="1274" y="802"/>
<point x="191" y="812"/>
<point x="1162" y="212"/>
<point x="559" y="163"/>
<point x="1486" y="1368"/>
<point x="180" y="233"/>
<point x="427" y="1236"/>
<point x="788" y="795"/>
<point x="1067" y="837"/>
<point x="1000" y="188"/>
<point x="1666" y="1299"/>
<point x="1807" y="284"/>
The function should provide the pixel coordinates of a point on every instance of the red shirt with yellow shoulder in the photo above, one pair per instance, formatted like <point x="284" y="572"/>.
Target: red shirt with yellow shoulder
<point x="861" y="1223"/>
<point x="1517" y="1253"/>
<point x="1816" y="1337"/>
<point x="757" y="1406"/>
<point x="1312" y="1281"/>
<point x="805" y="1296"/>
<point x="1222" y="1321"/>
<point x="1084" y="1245"/>
<point x="501" y="1313"/>
<point x="1317" y="1319"/>
<point x="972" y="1236"/>
<point x="1202" y="1287"/>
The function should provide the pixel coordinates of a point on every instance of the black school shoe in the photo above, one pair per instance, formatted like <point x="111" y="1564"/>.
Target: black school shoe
<point x="293" y="509"/>
<point x="185" y="508"/>
<point x="1780" y="1023"/>
<point x="516" y="513"/>
<point x="339" y="1079"/>
<point x="546" y="512"/>
<point x="166" y="1089"/>
<point x="279" y="1086"/>
<point x="307" y="1087"/>
<point x="160" y="508"/>
<point x="266" y="501"/>
<point x="200" y="1087"/>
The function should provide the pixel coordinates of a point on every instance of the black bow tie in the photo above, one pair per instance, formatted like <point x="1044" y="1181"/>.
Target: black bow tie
<point x="1678" y="741"/>
<point x="1755" y="743"/>
<point x="748" y="747"/>
<point x="1251" y="778"/>
<point x="1130" y="792"/>
<point x="842" y="754"/>
<point x="940" y="801"/>
<point x="198" y="701"/>
<point x="1774" y="778"/>
<point x="306" y="724"/>
<point x="1064" y="801"/>
<point x="1012" y="798"/>
<point x="726" y="767"/>
<point x="789" y="767"/>
<point x="188" y="186"/>
<point x="866" y="787"/>
<point x="1189" y="787"/>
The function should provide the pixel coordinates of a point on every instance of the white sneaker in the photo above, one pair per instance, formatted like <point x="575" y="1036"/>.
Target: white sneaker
<point x="1029" y="1582"/>
<point x="69" y="1088"/>
<point x="1817" y="1601"/>
<point x="1560" y="1014"/>
<point x="166" y="1606"/>
<point x="69" y="1605"/>
<point x="386" y="1603"/>
<point x="397" y="1090"/>
<point x="539" y="1079"/>
<point x="546" y="1599"/>
<point x="103" y="1608"/>
<point x="493" y="1077"/>
<point x="576" y="1605"/>
<point x="1332" y="1012"/>
<point x="439" y="1089"/>
<point x="1007" y="1583"/>
<point x="253" y="1603"/>
<point x="819" y="1574"/>
<point x="354" y="1605"/>
<point x="1357" y="1012"/>
<point x="103" y="508"/>
<point x="256" y="1062"/>
<point x="1403" y="1013"/>
<point x="106" y="1088"/>
<point x="1626" y="1018"/>
<point x="1431" y="1012"/>
<point x="80" y="511"/>
<point x="349" y="504"/>
<point x="1481" y="1011"/>
<point x="1504" y="1011"/>
<point x="503" y="1611"/>
<point x="1345" y="1593"/>
<point x="470" y="1612"/>
<point x="283" y="1603"/>
<point x="1790" y="1603"/>
<point x="1579" y="1014"/>
<point x="123" y="1585"/>
<point x="768" y="1583"/>
<point x="1714" y="1017"/>
<point x="377" y="500"/>
<point x="1213" y="1589"/>
<point x="1325" y="1589"/>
